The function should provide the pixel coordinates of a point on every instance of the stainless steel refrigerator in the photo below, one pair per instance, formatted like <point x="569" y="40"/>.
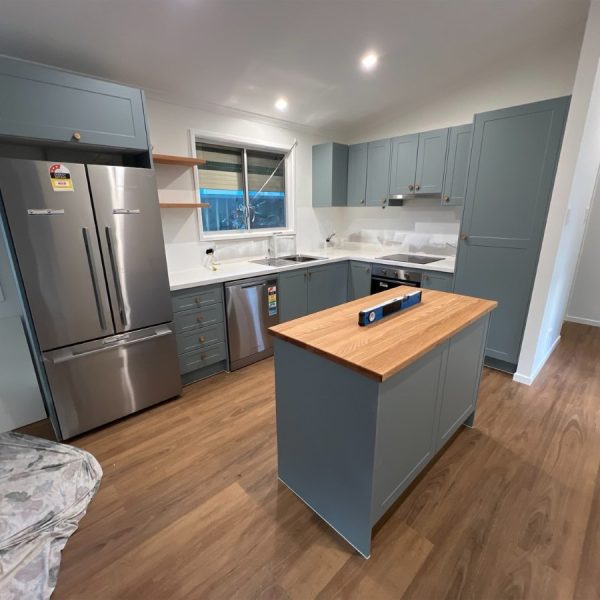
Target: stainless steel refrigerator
<point x="89" y="250"/>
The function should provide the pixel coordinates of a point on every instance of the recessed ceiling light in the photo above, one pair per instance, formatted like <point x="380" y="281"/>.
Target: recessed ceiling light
<point x="281" y="104"/>
<point x="369" y="61"/>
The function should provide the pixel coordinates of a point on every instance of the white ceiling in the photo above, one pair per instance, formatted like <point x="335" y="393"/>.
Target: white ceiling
<point x="243" y="54"/>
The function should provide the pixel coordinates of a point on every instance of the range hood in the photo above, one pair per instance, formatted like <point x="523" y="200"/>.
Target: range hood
<point x="398" y="199"/>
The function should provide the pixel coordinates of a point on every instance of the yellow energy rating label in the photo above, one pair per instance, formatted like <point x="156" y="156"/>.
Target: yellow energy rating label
<point x="60" y="178"/>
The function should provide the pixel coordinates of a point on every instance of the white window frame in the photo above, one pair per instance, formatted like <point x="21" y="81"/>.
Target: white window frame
<point x="233" y="141"/>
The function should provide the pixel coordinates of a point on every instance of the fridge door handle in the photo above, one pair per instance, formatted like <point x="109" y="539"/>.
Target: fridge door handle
<point x="115" y="271"/>
<point x="94" y="275"/>
<point x="105" y="347"/>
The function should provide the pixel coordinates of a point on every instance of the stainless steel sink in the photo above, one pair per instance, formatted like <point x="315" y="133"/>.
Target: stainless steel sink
<point x="300" y="258"/>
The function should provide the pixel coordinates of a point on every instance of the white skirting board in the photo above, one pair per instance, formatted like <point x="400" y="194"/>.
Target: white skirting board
<point x="529" y="379"/>
<point x="582" y="321"/>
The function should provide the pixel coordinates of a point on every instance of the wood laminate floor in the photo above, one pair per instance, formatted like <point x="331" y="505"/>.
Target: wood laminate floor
<point x="190" y="505"/>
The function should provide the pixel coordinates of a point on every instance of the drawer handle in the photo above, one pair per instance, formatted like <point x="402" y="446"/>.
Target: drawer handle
<point x="201" y="339"/>
<point x="411" y="187"/>
<point x="417" y="187"/>
<point x="199" y="318"/>
<point x="204" y="356"/>
<point x="197" y="300"/>
<point x="76" y="136"/>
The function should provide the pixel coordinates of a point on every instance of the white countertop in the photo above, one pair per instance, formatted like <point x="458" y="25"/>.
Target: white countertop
<point x="240" y="269"/>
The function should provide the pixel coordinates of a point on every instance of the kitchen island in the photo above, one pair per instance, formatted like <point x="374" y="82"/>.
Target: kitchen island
<point x="362" y="410"/>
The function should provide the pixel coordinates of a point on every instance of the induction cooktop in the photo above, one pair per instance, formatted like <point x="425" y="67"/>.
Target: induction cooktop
<point x="411" y="258"/>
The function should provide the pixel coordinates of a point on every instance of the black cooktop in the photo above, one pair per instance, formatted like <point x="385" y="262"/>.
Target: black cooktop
<point x="411" y="258"/>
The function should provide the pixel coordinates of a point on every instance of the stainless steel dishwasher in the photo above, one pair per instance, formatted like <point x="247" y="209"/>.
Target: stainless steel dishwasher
<point x="252" y="307"/>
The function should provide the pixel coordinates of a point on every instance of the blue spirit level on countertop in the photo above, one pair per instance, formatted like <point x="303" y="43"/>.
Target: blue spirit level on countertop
<point x="389" y="307"/>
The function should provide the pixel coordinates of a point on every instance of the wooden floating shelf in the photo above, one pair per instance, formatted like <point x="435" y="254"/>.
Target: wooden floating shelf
<point x="182" y="161"/>
<point x="184" y="205"/>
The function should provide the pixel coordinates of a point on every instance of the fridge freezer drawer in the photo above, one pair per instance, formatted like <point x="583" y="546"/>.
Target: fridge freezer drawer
<point x="98" y="382"/>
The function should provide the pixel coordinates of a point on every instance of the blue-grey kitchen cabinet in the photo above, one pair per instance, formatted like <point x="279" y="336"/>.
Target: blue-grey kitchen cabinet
<point x="378" y="172"/>
<point x="43" y="103"/>
<point x="431" y="161"/>
<point x="293" y="294"/>
<point x="511" y="174"/>
<point x="404" y="164"/>
<point x="304" y="291"/>
<point x="330" y="174"/>
<point x="436" y="280"/>
<point x="199" y="317"/>
<point x="359" y="280"/>
<point x="457" y="165"/>
<point x="327" y="286"/>
<point x="357" y="174"/>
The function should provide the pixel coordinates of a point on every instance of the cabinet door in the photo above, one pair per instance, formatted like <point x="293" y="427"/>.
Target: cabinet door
<point x="359" y="280"/>
<point x="330" y="174"/>
<point x="327" y="286"/>
<point x="440" y="282"/>
<point x="512" y="166"/>
<point x="378" y="172"/>
<point x="293" y="299"/>
<point x="457" y="165"/>
<point x="43" y="103"/>
<point x="357" y="174"/>
<point x="431" y="161"/>
<point x="404" y="164"/>
<point x="460" y="383"/>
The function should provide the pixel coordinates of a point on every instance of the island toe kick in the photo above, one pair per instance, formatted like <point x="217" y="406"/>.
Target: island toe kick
<point x="348" y="444"/>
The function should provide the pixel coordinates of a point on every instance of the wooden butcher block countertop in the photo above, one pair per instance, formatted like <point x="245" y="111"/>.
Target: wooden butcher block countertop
<point x="383" y="348"/>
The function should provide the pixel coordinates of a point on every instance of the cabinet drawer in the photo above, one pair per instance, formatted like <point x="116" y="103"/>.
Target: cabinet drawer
<point x="196" y="299"/>
<point x="194" y="319"/>
<point x="201" y="338"/>
<point x="191" y="361"/>
<point x="44" y="103"/>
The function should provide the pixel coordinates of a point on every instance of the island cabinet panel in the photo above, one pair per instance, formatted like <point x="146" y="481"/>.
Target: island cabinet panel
<point x="460" y="382"/>
<point x="378" y="172"/>
<point x="359" y="280"/>
<point x="406" y="428"/>
<point x="326" y="425"/>
<point x="293" y="294"/>
<point x="431" y="161"/>
<point x="327" y="286"/>
<point x="38" y="102"/>
<point x="357" y="174"/>
<point x="404" y="164"/>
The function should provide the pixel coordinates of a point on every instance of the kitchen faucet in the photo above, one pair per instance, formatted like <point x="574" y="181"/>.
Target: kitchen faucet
<point x="329" y="238"/>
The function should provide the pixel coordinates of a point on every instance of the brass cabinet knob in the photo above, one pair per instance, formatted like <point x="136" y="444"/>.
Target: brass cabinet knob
<point x="411" y="187"/>
<point x="197" y="300"/>
<point x="199" y="318"/>
<point x="203" y="356"/>
<point x="201" y="339"/>
<point x="417" y="187"/>
<point x="362" y="201"/>
<point x="446" y="198"/>
<point x="77" y="136"/>
<point x="464" y="237"/>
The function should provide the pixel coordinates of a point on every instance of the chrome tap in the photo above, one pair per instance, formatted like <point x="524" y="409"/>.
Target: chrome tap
<point x="329" y="237"/>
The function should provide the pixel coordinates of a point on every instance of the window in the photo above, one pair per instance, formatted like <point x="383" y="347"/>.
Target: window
<point x="245" y="187"/>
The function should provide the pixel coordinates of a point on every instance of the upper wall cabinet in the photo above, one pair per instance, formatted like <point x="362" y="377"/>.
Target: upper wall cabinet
<point x="457" y="165"/>
<point x="330" y="174"/>
<point x="357" y="174"/>
<point x="38" y="102"/>
<point x="378" y="172"/>
<point x="418" y="163"/>
<point x="431" y="161"/>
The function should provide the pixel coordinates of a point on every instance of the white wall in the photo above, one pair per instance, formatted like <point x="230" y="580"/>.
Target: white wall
<point x="20" y="399"/>
<point x="572" y="194"/>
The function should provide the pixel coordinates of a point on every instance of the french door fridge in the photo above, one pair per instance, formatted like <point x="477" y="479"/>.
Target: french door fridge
<point x="89" y="249"/>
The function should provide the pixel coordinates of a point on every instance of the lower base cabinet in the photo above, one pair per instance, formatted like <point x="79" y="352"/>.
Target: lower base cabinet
<point x="442" y="282"/>
<point x="359" y="280"/>
<point x="199" y="315"/>
<point x="304" y="291"/>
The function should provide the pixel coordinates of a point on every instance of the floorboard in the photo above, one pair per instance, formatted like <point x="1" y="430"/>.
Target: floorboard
<point x="190" y="505"/>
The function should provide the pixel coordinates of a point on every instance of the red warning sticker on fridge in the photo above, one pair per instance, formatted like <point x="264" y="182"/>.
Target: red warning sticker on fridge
<point x="60" y="178"/>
